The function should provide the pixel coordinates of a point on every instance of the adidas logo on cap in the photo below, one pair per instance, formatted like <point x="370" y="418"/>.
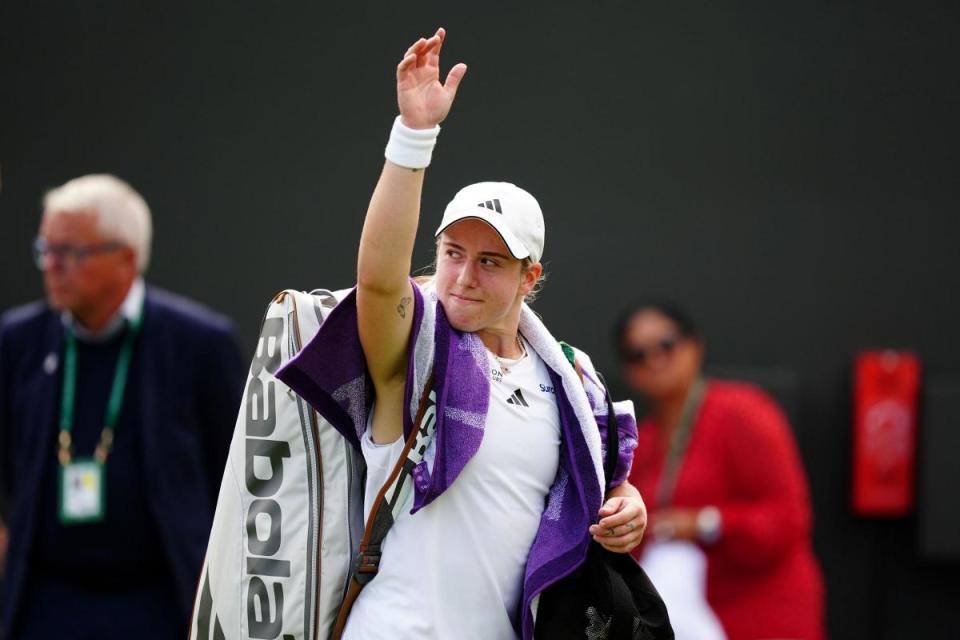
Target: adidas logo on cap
<point x="492" y="204"/>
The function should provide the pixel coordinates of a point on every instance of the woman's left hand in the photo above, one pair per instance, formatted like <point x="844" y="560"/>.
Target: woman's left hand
<point x="623" y="518"/>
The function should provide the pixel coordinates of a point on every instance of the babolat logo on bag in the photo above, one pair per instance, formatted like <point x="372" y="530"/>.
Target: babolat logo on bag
<point x="271" y="569"/>
<point x="263" y="475"/>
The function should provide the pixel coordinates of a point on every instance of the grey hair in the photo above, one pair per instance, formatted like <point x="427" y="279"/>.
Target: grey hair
<point x="122" y="214"/>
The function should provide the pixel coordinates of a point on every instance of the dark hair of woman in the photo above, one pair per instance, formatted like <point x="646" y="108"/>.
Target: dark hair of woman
<point x="674" y="312"/>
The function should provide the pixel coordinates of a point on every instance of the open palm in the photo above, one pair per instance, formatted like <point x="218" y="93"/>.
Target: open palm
<point x="423" y="101"/>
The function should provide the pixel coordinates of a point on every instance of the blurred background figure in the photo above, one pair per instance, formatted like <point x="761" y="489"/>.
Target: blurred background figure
<point x="718" y="467"/>
<point x="117" y="405"/>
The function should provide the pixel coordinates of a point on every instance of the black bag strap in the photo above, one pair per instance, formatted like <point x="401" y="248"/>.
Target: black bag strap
<point x="613" y="435"/>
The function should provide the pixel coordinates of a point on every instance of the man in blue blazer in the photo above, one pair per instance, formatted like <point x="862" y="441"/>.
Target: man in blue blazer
<point x="117" y="405"/>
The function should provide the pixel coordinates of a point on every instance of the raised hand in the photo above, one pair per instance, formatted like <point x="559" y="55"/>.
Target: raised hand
<point x="423" y="101"/>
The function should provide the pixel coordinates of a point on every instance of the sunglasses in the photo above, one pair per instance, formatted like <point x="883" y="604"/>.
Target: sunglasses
<point x="637" y="356"/>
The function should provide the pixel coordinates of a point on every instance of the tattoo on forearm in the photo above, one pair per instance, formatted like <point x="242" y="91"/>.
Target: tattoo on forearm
<point x="402" y="307"/>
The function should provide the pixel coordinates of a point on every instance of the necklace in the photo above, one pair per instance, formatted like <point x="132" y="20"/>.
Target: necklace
<point x="506" y="363"/>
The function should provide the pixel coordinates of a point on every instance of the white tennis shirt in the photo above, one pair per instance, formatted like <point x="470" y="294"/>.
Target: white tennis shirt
<point x="455" y="568"/>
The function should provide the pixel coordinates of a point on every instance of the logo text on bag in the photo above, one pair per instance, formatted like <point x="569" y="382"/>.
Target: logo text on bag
<point x="264" y="476"/>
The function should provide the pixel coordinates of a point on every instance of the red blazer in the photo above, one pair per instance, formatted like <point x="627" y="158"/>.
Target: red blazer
<point x="763" y="580"/>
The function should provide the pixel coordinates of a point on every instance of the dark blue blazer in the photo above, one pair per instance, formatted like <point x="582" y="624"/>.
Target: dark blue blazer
<point x="192" y="376"/>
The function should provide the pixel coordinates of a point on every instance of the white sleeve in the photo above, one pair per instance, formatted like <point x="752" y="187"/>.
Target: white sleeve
<point x="380" y="459"/>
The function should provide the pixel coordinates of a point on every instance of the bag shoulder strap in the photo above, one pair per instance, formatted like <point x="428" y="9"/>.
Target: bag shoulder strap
<point x="386" y="505"/>
<point x="613" y="435"/>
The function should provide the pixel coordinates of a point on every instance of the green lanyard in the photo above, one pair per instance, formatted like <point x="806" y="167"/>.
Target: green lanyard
<point x="114" y="403"/>
<point x="679" y="442"/>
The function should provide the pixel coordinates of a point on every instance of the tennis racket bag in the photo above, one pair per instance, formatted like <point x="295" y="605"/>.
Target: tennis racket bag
<point x="290" y="511"/>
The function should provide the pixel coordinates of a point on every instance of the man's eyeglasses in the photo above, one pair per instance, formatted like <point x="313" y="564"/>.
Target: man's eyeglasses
<point x="638" y="356"/>
<point x="69" y="255"/>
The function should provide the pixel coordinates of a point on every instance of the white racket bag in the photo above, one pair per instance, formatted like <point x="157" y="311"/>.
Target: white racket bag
<point x="289" y="513"/>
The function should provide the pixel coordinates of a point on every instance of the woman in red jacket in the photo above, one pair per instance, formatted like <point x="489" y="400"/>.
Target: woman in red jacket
<point x="718" y="466"/>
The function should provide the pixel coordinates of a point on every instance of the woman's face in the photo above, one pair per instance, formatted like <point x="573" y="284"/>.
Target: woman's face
<point x="480" y="285"/>
<point x="658" y="360"/>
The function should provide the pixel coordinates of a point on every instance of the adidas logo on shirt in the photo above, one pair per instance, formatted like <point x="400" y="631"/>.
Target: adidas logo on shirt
<point x="517" y="398"/>
<point x="493" y="205"/>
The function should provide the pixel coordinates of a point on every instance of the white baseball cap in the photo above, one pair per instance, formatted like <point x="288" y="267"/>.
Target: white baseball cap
<point x="512" y="212"/>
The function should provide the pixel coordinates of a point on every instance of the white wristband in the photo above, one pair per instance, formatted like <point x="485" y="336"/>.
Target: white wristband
<point x="411" y="148"/>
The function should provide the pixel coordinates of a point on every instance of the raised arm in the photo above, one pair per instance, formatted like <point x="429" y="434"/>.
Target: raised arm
<point x="384" y="292"/>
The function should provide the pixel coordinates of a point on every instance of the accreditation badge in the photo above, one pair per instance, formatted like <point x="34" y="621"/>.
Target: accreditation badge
<point x="82" y="492"/>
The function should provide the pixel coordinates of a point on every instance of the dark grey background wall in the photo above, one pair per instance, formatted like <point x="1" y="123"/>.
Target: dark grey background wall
<point x="789" y="170"/>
